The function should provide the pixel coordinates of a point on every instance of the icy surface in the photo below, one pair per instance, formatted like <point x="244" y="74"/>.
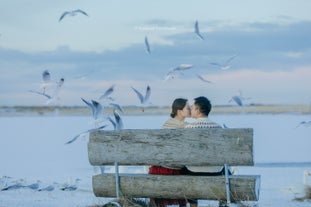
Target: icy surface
<point x="32" y="151"/>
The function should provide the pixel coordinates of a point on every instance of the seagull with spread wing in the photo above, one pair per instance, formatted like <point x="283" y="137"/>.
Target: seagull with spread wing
<point x="72" y="13"/>
<point x="238" y="99"/>
<point x="118" y="123"/>
<point x="84" y="133"/>
<point x="54" y="97"/>
<point x="197" y="30"/>
<point x="176" y="71"/>
<point x="96" y="107"/>
<point x="46" y="79"/>
<point x="144" y="100"/>
<point x="203" y="79"/>
<point x="226" y="65"/>
<point x="107" y="93"/>
<point x="148" y="50"/>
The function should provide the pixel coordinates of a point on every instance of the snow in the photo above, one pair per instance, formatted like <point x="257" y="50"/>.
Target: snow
<point x="33" y="150"/>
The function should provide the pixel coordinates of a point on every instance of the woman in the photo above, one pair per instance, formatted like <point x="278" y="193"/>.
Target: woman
<point x="180" y="111"/>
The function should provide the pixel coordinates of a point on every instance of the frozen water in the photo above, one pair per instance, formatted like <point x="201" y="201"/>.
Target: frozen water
<point x="32" y="149"/>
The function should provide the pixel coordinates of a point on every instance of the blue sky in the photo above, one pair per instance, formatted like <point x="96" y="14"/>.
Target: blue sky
<point x="271" y="39"/>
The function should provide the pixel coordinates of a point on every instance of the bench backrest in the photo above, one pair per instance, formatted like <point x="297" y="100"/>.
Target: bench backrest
<point x="195" y="147"/>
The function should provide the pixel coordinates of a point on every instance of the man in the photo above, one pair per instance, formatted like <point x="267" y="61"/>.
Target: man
<point x="200" y="110"/>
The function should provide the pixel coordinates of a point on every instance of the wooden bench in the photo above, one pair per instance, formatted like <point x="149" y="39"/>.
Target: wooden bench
<point x="192" y="147"/>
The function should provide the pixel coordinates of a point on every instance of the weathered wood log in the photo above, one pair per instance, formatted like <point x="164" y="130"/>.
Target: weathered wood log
<point x="242" y="187"/>
<point x="195" y="147"/>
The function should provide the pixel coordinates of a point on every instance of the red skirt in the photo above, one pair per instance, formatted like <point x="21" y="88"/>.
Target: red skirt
<point x="162" y="202"/>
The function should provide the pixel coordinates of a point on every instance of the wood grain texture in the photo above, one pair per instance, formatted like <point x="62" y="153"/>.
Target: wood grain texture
<point x="243" y="188"/>
<point x="195" y="147"/>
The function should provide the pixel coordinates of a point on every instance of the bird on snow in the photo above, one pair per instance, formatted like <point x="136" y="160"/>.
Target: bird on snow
<point x="304" y="123"/>
<point x="72" y="13"/>
<point x="305" y="189"/>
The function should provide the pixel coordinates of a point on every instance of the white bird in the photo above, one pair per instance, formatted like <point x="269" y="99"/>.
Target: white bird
<point x="117" y="106"/>
<point x="33" y="186"/>
<point x="69" y="186"/>
<point x="306" y="173"/>
<point x="197" y="30"/>
<point x="19" y="185"/>
<point x="96" y="107"/>
<point x="237" y="100"/>
<point x="226" y="65"/>
<point x="118" y="123"/>
<point x="13" y="187"/>
<point x="183" y="67"/>
<point x="147" y="45"/>
<point x="177" y="71"/>
<point x="46" y="79"/>
<point x="304" y="123"/>
<point x="171" y="75"/>
<point x="203" y="79"/>
<point x="306" y="188"/>
<point x="54" y="97"/>
<point x="48" y="188"/>
<point x="143" y="99"/>
<point x="84" y="133"/>
<point x="72" y="13"/>
<point x="107" y="93"/>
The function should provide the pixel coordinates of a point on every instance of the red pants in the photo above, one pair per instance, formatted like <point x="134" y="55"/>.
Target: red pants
<point x="162" y="202"/>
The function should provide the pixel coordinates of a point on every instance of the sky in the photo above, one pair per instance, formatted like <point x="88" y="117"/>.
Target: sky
<point x="270" y="41"/>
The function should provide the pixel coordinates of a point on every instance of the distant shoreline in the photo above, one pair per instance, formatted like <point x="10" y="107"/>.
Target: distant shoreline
<point x="131" y="110"/>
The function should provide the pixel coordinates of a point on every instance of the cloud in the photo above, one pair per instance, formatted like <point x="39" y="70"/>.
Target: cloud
<point x="267" y="53"/>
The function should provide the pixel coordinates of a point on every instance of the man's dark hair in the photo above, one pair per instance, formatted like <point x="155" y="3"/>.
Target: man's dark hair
<point x="203" y="104"/>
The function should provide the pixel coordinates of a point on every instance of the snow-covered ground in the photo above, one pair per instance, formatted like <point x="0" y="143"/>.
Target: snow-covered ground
<point x="32" y="151"/>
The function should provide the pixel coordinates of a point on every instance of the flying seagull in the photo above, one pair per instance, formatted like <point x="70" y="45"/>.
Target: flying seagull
<point x="238" y="99"/>
<point x="118" y="123"/>
<point x="178" y="70"/>
<point x="107" y="93"/>
<point x="84" y="133"/>
<point x="182" y="67"/>
<point x="46" y="78"/>
<point x="197" y="30"/>
<point x="203" y="79"/>
<point x="143" y="99"/>
<point x="96" y="108"/>
<point x="147" y="45"/>
<point x="117" y="106"/>
<point x="53" y="97"/>
<point x="72" y="13"/>
<point x="226" y="65"/>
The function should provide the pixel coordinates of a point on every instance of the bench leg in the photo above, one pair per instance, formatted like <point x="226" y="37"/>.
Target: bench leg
<point x="227" y="184"/>
<point x="116" y="166"/>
